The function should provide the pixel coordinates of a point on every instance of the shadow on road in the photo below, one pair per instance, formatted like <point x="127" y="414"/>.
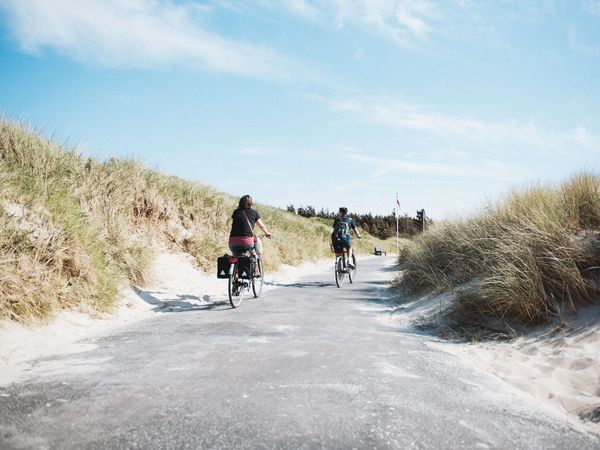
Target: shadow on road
<point x="393" y="268"/>
<point x="171" y="302"/>
<point x="305" y="284"/>
<point x="181" y="302"/>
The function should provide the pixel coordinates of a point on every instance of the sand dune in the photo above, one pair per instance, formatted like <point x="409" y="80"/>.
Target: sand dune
<point x="176" y="284"/>
<point x="559" y="365"/>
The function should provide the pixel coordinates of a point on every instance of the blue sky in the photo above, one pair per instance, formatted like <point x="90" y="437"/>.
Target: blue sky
<point x="324" y="102"/>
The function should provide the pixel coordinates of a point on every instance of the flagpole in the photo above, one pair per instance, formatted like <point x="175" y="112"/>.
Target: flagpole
<point x="397" y="242"/>
<point x="397" y="227"/>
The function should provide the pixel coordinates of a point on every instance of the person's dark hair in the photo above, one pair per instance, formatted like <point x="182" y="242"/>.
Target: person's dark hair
<point x="242" y="202"/>
<point x="344" y="210"/>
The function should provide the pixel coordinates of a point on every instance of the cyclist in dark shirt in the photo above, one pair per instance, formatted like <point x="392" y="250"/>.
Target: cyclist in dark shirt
<point x="241" y="238"/>
<point x="342" y="225"/>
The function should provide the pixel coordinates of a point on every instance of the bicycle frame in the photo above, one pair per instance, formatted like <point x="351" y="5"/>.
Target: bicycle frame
<point x="238" y="287"/>
<point x="341" y="268"/>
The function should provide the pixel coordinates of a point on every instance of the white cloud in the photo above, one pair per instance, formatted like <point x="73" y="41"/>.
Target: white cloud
<point x="137" y="33"/>
<point x="283" y="154"/>
<point x="579" y="44"/>
<point x="406" y="116"/>
<point x="302" y="8"/>
<point x="583" y="137"/>
<point x="406" y="23"/>
<point x="388" y="166"/>
<point x="256" y="151"/>
<point x="425" y="24"/>
<point x="592" y="7"/>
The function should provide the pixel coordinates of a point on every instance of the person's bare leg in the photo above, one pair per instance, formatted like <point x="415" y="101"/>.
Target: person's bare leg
<point x="350" y="252"/>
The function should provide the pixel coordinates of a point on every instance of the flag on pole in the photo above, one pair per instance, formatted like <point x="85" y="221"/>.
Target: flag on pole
<point x="397" y="202"/>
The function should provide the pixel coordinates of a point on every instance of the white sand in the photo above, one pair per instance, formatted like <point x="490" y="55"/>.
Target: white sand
<point x="559" y="366"/>
<point x="175" y="284"/>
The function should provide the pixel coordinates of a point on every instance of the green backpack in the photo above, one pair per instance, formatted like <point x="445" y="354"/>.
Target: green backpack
<point x="341" y="231"/>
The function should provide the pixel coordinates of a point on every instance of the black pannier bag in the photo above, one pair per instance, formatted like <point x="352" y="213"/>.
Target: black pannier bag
<point x="223" y="266"/>
<point x="246" y="266"/>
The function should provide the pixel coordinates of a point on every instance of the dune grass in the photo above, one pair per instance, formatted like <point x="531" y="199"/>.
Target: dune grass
<point x="530" y="258"/>
<point x="73" y="230"/>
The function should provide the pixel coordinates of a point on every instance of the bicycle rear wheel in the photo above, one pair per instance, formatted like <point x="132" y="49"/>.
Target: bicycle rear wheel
<point x="257" y="281"/>
<point x="352" y="271"/>
<point x="235" y="288"/>
<point x="339" y="271"/>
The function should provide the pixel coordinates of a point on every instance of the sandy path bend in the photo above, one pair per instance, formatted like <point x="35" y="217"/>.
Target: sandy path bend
<point x="307" y="366"/>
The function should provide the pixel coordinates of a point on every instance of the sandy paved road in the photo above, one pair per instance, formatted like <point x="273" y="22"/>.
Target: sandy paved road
<point x="307" y="366"/>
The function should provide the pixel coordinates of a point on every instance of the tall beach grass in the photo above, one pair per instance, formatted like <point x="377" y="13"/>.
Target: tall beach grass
<point x="73" y="230"/>
<point x="527" y="259"/>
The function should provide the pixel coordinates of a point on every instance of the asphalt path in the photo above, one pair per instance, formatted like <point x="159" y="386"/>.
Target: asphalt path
<point x="308" y="365"/>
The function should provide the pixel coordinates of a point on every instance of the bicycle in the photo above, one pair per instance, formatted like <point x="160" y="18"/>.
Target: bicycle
<point x="237" y="287"/>
<point x="341" y="267"/>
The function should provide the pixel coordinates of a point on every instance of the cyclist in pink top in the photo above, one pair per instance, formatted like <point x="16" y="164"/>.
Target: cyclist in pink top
<point x="241" y="238"/>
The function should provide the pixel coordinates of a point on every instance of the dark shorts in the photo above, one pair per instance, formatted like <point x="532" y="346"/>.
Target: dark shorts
<point x="339" y="245"/>
<point x="239" y="250"/>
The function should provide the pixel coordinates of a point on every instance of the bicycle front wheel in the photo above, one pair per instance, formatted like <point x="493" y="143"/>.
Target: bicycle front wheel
<point x="257" y="281"/>
<point x="235" y="288"/>
<point x="339" y="271"/>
